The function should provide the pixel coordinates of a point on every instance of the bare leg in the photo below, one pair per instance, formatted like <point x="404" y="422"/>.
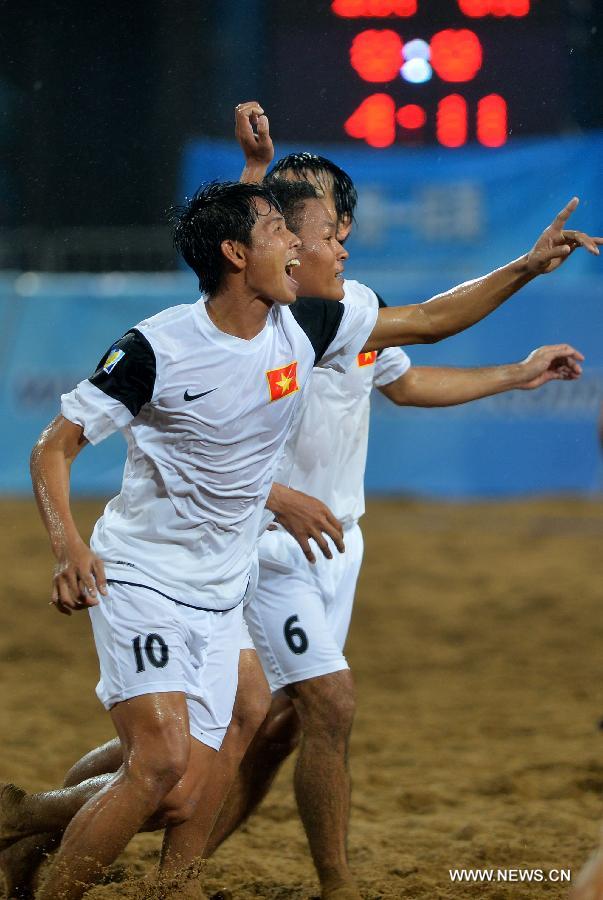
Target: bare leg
<point x="103" y="760"/>
<point x="194" y="818"/>
<point x="325" y="706"/>
<point x="44" y="816"/>
<point x="153" y="730"/>
<point x="51" y="811"/>
<point x="181" y="844"/>
<point x="251" y="706"/>
<point x="274" y="742"/>
<point x="19" y="861"/>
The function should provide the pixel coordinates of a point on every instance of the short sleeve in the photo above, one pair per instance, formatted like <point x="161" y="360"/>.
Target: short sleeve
<point x="121" y="385"/>
<point x="354" y="330"/>
<point x="337" y="331"/>
<point x="391" y="363"/>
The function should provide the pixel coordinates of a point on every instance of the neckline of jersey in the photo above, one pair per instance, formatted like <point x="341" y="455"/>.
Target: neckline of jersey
<point x="231" y="341"/>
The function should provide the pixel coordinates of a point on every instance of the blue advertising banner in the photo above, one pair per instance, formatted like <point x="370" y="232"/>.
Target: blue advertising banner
<point x="440" y="212"/>
<point x="55" y="329"/>
<point x="426" y="221"/>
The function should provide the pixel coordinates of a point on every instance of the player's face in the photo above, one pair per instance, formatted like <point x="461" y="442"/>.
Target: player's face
<point x="324" y="187"/>
<point x="272" y="257"/>
<point x="321" y="255"/>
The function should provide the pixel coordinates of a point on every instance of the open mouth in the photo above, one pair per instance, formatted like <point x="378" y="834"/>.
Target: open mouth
<point x="291" y="265"/>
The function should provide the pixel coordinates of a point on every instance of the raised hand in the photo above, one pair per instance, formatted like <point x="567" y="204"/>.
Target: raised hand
<point x="252" y="131"/>
<point x="551" y="363"/>
<point x="556" y="243"/>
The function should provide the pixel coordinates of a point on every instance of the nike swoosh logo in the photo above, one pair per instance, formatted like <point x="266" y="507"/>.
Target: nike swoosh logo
<point x="188" y="396"/>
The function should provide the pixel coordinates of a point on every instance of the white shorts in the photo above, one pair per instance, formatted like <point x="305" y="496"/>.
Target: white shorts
<point x="148" y="644"/>
<point x="246" y="642"/>
<point x="300" y="613"/>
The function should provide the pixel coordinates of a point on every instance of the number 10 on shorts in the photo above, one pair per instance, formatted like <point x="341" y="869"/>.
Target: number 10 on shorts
<point x="156" y="651"/>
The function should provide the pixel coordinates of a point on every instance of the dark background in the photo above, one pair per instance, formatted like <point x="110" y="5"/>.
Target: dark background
<point x="98" y="99"/>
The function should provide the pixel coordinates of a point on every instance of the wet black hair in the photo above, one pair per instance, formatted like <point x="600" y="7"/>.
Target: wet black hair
<point x="291" y="196"/>
<point x="302" y="164"/>
<point x="216" y="212"/>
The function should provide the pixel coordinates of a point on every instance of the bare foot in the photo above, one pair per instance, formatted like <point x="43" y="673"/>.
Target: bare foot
<point x="589" y="885"/>
<point x="20" y="864"/>
<point x="11" y="815"/>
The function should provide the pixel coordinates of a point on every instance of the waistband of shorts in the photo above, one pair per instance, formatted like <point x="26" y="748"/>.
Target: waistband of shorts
<point x="147" y="587"/>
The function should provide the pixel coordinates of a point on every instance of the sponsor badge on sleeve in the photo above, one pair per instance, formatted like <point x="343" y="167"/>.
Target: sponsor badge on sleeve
<point x="112" y="360"/>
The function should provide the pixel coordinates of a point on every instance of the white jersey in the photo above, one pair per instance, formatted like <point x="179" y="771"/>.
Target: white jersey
<point x="325" y="453"/>
<point x="204" y="415"/>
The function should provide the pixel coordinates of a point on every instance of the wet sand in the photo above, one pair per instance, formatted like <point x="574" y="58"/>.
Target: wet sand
<point x="476" y="646"/>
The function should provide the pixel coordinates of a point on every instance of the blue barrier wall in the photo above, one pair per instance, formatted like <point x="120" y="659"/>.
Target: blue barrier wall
<point x="426" y="221"/>
<point x="55" y="328"/>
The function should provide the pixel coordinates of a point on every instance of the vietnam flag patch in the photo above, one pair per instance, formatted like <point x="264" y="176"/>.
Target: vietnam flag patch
<point x="283" y="381"/>
<point x="367" y="359"/>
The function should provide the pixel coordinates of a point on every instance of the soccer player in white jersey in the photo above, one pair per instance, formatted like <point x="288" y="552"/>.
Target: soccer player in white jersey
<point x="173" y="555"/>
<point x="324" y="255"/>
<point x="300" y="614"/>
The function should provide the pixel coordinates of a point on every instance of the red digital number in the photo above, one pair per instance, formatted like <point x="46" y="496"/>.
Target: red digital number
<point x="492" y="121"/>
<point x="478" y="8"/>
<point x="411" y="116"/>
<point x="377" y="55"/>
<point x="374" y="120"/>
<point x="456" y="55"/>
<point x="451" y="121"/>
<point x="354" y="9"/>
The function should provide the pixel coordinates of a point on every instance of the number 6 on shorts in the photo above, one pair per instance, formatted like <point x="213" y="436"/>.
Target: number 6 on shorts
<point x="297" y="639"/>
<point x="152" y="642"/>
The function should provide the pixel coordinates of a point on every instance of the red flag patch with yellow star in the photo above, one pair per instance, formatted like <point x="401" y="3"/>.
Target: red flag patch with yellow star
<point x="283" y="381"/>
<point x="367" y="359"/>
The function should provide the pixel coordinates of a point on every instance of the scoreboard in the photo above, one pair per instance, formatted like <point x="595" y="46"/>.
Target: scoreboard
<point x="417" y="72"/>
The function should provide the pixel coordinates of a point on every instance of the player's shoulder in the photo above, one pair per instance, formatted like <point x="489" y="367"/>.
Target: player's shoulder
<point x="172" y="318"/>
<point x="169" y="330"/>
<point x="358" y="294"/>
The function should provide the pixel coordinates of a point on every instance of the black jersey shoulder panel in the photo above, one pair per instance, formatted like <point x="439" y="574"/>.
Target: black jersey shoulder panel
<point x="382" y="305"/>
<point x="131" y="379"/>
<point x="320" y="320"/>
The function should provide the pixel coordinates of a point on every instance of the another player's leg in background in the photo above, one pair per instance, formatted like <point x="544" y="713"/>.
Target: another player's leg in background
<point x="190" y="814"/>
<point x="274" y="741"/>
<point x="43" y="817"/>
<point x="324" y="707"/>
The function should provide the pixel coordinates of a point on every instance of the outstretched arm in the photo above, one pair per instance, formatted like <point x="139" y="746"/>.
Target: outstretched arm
<point x="446" y="386"/>
<point x="468" y="303"/>
<point x="256" y="145"/>
<point x="78" y="572"/>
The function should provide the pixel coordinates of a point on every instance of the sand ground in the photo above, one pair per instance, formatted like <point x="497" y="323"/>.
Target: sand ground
<point x="476" y="646"/>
